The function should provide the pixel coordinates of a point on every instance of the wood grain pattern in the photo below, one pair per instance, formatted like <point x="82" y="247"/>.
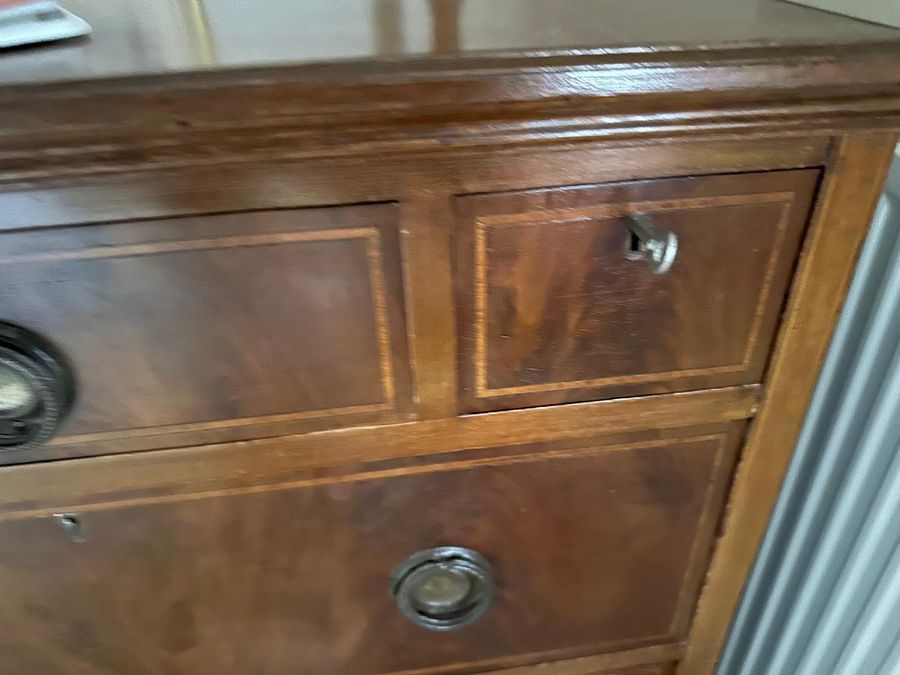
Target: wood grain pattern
<point x="254" y="555"/>
<point x="162" y="586"/>
<point x="848" y="198"/>
<point x="53" y="150"/>
<point x="381" y="107"/>
<point x="111" y="194"/>
<point x="52" y="486"/>
<point x="229" y="326"/>
<point x="426" y="219"/>
<point x="551" y="309"/>
<point x="641" y="661"/>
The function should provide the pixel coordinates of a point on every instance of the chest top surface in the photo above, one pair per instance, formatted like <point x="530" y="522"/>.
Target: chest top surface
<point x="137" y="39"/>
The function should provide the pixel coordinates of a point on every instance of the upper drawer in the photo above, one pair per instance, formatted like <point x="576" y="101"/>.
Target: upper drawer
<point x="200" y="329"/>
<point x="554" y="303"/>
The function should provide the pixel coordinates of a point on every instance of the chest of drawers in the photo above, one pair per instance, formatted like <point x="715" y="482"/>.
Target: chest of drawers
<point x="485" y="356"/>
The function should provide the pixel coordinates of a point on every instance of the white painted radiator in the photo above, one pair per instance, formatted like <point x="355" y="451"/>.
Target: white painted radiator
<point x="824" y="595"/>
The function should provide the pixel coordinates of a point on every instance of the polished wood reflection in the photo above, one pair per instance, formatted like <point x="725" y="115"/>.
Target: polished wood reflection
<point x="346" y="279"/>
<point x="136" y="38"/>
<point x="552" y="309"/>
<point x="594" y="547"/>
<point x="222" y="325"/>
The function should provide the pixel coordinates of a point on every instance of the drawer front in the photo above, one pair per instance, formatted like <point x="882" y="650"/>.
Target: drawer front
<point x="556" y="301"/>
<point x="198" y="329"/>
<point x="590" y="548"/>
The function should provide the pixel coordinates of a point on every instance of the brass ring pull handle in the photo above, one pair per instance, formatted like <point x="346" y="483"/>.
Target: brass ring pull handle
<point x="37" y="388"/>
<point x="443" y="588"/>
<point x="658" y="248"/>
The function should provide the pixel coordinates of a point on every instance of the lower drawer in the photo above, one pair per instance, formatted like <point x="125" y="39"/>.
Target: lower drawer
<point x="581" y="548"/>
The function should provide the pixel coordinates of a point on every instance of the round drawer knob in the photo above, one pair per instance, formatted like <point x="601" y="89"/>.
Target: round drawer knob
<point x="37" y="388"/>
<point x="443" y="588"/>
<point x="658" y="248"/>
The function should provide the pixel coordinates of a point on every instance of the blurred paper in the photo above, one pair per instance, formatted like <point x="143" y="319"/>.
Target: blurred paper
<point x="25" y="22"/>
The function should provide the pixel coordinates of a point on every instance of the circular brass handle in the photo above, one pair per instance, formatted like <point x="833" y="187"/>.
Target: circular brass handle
<point x="443" y="588"/>
<point x="37" y="388"/>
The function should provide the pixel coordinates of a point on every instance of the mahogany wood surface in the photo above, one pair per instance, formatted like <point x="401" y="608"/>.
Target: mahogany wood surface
<point x="49" y="486"/>
<point x="616" y="663"/>
<point x="254" y="229"/>
<point x="605" y="664"/>
<point x="313" y="332"/>
<point x="551" y="308"/>
<point x="159" y="200"/>
<point x="593" y="546"/>
<point x="186" y="184"/>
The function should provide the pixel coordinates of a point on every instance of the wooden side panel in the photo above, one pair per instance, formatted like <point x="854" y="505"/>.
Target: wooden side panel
<point x="553" y="308"/>
<point x="853" y="184"/>
<point x="215" y="328"/>
<point x="593" y="548"/>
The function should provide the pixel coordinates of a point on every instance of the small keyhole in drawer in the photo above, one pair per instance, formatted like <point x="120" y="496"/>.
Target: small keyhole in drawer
<point x="633" y="250"/>
<point x="72" y="525"/>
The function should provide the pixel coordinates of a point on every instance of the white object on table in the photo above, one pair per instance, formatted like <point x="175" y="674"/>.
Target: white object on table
<point x="34" y="22"/>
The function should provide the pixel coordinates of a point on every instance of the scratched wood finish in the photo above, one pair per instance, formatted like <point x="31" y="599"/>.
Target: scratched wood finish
<point x="551" y="308"/>
<point x="568" y="72"/>
<point x="157" y="117"/>
<point x="593" y="546"/>
<point x="229" y="326"/>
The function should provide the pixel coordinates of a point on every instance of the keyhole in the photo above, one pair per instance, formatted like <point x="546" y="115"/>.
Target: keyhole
<point x="71" y="523"/>
<point x="633" y="247"/>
